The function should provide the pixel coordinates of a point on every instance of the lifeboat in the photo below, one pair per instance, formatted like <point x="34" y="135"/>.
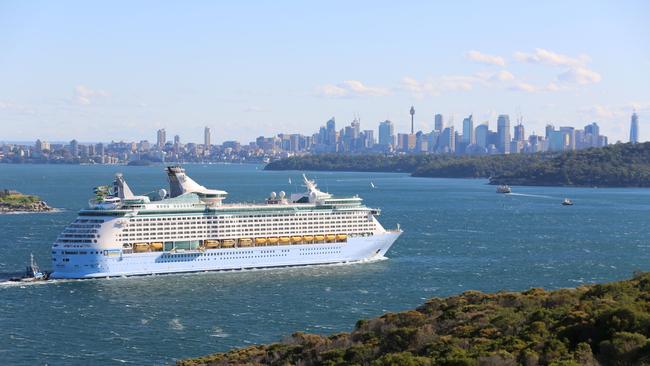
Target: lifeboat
<point x="245" y="242"/>
<point x="273" y="241"/>
<point x="319" y="238"/>
<point x="228" y="243"/>
<point x="342" y="237"/>
<point x="141" y="247"/>
<point x="157" y="246"/>
<point x="284" y="240"/>
<point x="260" y="241"/>
<point x="296" y="239"/>
<point x="308" y="238"/>
<point x="330" y="237"/>
<point x="211" y="243"/>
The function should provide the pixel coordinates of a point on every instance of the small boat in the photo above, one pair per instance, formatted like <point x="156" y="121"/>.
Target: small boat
<point x="567" y="202"/>
<point x="372" y="185"/>
<point x="32" y="273"/>
<point x="289" y="180"/>
<point x="504" y="188"/>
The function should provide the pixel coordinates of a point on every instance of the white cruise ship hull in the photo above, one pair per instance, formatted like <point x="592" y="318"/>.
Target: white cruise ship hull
<point x="113" y="263"/>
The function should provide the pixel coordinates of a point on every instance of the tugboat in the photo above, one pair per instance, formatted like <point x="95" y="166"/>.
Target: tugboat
<point x="567" y="202"/>
<point x="32" y="273"/>
<point x="504" y="188"/>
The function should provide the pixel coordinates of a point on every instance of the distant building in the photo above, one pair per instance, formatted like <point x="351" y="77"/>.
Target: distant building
<point x="468" y="130"/>
<point x="503" y="130"/>
<point x="520" y="132"/>
<point x="386" y="133"/>
<point x="634" y="128"/>
<point x="330" y="138"/>
<point x="481" y="133"/>
<point x="438" y="123"/>
<point x="207" y="138"/>
<point x="406" y="141"/>
<point x="161" y="138"/>
<point x="447" y="141"/>
<point x="74" y="148"/>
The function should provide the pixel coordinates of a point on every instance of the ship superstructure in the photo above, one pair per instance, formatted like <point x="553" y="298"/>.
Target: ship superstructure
<point x="189" y="229"/>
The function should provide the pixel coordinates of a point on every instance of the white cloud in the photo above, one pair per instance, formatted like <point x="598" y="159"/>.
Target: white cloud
<point x="576" y="72"/>
<point x="458" y="82"/>
<point x="524" y="87"/>
<point x="551" y="58"/>
<point x="351" y="88"/>
<point x="502" y="76"/>
<point x="485" y="58"/>
<point x="418" y="89"/>
<point x="85" y="95"/>
<point x="579" y="75"/>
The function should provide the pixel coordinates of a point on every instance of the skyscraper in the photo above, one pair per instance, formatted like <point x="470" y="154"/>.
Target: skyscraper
<point x="331" y="132"/>
<point x="503" y="130"/>
<point x="439" y="123"/>
<point x="520" y="133"/>
<point x="634" y="128"/>
<point x="481" y="135"/>
<point x="206" y="137"/>
<point x="161" y="138"/>
<point x="468" y="130"/>
<point x="412" y="112"/>
<point x="386" y="133"/>
<point x="447" y="141"/>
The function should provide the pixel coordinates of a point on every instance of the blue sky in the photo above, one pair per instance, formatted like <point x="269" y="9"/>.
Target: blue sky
<point x="122" y="69"/>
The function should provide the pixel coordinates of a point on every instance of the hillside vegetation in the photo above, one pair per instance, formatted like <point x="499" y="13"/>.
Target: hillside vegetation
<point x="620" y="165"/>
<point x="606" y="324"/>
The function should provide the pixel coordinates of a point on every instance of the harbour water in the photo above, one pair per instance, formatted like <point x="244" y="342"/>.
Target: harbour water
<point x="459" y="235"/>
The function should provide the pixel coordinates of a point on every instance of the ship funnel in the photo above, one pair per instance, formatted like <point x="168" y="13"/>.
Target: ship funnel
<point x="122" y="189"/>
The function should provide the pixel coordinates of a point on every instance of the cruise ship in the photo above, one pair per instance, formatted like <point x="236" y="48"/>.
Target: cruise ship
<point x="191" y="229"/>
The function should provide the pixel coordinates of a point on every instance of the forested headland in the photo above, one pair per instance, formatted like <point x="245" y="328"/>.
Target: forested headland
<point x="619" y="165"/>
<point x="606" y="324"/>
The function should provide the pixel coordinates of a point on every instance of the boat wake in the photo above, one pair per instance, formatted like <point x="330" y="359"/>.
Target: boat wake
<point x="530" y="195"/>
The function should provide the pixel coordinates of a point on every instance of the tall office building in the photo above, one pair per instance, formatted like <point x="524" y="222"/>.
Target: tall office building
<point x="634" y="128"/>
<point x="161" y="138"/>
<point x="207" y="138"/>
<point x="520" y="132"/>
<point x="439" y="123"/>
<point x="503" y="130"/>
<point x="447" y="140"/>
<point x="330" y="126"/>
<point x="74" y="148"/>
<point x="468" y="130"/>
<point x="386" y="133"/>
<point x="412" y="112"/>
<point x="481" y="135"/>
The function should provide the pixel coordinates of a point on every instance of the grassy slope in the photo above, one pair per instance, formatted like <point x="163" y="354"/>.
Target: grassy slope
<point x="608" y="323"/>
<point x="18" y="200"/>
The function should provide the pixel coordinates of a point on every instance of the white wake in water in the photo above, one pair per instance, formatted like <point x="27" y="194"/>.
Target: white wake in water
<point x="530" y="195"/>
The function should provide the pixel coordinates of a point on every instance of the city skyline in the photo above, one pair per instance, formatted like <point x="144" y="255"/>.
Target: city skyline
<point x="280" y="67"/>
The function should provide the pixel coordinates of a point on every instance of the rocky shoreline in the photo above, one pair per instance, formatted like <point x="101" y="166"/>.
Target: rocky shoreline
<point x="15" y="202"/>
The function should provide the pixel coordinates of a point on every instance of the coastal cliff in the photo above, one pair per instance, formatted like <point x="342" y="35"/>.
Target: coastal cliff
<point x="14" y="201"/>
<point x="605" y="324"/>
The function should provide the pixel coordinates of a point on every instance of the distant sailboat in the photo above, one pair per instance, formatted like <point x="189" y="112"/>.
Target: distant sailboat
<point x="289" y="180"/>
<point x="372" y="185"/>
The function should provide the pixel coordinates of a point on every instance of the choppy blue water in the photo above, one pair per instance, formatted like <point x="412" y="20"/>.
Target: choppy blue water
<point x="459" y="235"/>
